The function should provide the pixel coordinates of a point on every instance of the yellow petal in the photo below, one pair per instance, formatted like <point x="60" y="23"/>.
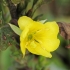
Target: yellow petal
<point x="51" y="44"/>
<point x="24" y="21"/>
<point x="36" y="26"/>
<point x="24" y="34"/>
<point x="31" y="47"/>
<point x="37" y="49"/>
<point x="22" y="47"/>
<point x="49" y="31"/>
<point x="23" y="40"/>
<point x="44" y="34"/>
<point x="52" y="27"/>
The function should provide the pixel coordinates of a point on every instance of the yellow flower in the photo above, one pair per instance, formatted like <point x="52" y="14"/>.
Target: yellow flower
<point x="38" y="38"/>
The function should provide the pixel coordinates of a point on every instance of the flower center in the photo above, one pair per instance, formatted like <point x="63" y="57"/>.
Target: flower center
<point x="30" y="36"/>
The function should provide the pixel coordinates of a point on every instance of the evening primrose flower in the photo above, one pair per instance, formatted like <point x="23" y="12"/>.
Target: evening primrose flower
<point x="38" y="38"/>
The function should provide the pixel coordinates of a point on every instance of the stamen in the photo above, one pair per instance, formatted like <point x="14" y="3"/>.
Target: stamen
<point x="36" y="41"/>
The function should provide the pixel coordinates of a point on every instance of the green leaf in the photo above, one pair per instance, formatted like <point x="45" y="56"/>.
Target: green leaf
<point x="6" y="17"/>
<point x="15" y="29"/>
<point x="6" y="13"/>
<point x="34" y="2"/>
<point x="43" y="21"/>
<point x="37" y="17"/>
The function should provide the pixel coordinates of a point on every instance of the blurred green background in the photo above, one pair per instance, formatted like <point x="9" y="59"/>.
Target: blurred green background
<point x="52" y="10"/>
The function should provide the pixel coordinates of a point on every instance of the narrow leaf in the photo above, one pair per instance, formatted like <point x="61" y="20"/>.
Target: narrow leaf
<point x="15" y="29"/>
<point x="43" y="21"/>
<point x="37" y="17"/>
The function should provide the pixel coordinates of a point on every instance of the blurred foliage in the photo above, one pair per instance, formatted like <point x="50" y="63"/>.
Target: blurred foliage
<point x="6" y="34"/>
<point x="6" y="60"/>
<point x="10" y="54"/>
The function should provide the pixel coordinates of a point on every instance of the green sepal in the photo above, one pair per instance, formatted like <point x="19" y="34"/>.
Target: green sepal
<point x="15" y="29"/>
